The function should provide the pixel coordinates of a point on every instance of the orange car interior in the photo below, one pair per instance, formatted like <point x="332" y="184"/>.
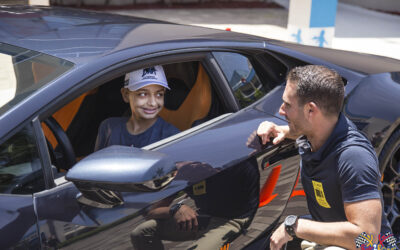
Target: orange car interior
<point x="190" y="105"/>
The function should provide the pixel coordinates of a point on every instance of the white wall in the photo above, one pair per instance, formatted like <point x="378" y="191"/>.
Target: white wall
<point x="39" y="2"/>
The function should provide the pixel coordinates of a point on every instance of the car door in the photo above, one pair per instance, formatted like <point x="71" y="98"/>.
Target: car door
<point x="21" y="175"/>
<point x="257" y="80"/>
<point x="219" y="146"/>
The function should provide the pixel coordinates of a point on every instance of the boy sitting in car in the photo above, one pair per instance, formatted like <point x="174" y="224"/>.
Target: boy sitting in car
<point x="144" y="91"/>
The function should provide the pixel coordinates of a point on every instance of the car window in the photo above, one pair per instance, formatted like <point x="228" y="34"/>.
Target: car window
<point x="241" y="77"/>
<point x="20" y="166"/>
<point x="190" y="101"/>
<point x="24" y="71"/>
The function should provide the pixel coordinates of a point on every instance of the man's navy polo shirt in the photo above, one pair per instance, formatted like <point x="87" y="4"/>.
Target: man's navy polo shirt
<point x="344" y="169"/>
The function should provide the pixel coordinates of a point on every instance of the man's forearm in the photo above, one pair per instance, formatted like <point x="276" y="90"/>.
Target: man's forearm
<point x="341" y="234"/>
<point x="160" y="210"/>
<point x="158" y="213"/>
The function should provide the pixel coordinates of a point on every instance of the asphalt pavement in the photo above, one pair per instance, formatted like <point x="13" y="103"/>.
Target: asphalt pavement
<point x="357" y="29"/>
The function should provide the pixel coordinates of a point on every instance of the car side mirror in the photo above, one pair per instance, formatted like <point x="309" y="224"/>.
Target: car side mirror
<point x="102" y="175"/>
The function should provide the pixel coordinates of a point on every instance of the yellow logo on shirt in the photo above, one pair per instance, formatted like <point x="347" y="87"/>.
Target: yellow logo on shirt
<point x="199" y="188"/>
<point x="320" y="195"/>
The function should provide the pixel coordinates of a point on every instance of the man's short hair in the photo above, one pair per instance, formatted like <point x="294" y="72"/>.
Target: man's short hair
<point x="318" y="84"/>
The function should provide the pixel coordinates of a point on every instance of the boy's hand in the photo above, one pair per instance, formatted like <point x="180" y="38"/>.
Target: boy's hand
<point x="267" y="130"/>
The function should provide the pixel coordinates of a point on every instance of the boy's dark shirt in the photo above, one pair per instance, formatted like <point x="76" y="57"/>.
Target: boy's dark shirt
<point x="113" y="131"/>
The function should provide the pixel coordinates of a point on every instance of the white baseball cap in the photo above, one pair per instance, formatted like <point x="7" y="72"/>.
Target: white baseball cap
<point x="140" y="78"/>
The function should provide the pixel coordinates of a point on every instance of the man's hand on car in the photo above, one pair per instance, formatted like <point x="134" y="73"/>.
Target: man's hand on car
<point x="279" y="238"/>
<point x="268" y="130"/>
<point x="186" y="219"/>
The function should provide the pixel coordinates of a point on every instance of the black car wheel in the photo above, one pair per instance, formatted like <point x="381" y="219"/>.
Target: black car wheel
<point x="390" y="166"/>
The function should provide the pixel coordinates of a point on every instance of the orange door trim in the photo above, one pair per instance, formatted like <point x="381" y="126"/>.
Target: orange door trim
<point x="266" y="195"/>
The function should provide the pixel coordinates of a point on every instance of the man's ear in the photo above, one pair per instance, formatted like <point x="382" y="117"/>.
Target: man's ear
<point x="125" y="94"/>
<point x="311" y="109"/>
<point x="314" y="108"/>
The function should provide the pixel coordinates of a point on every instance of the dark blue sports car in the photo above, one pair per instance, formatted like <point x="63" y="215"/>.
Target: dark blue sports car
<point x="60" y="77"/>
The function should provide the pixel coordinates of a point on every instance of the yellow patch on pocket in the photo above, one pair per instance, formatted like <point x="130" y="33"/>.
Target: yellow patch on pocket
<point x="199" y="188"/>
<point x="320" y="195"/>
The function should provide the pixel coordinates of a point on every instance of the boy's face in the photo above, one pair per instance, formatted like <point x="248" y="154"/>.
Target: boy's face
<point x="146" y="102"/>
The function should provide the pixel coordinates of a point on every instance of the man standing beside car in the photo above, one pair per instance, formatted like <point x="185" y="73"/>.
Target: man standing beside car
<point x="339" y="167"/>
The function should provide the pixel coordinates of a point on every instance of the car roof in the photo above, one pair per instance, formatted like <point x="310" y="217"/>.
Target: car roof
<point x="361" y="62"/>
<point x="82" y="36"/>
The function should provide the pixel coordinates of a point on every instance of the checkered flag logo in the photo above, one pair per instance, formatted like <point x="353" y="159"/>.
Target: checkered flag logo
<point x="388" y="240"/>
<point x="364" y="240"/>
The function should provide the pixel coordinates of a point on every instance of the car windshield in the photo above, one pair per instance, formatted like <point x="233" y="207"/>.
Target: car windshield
<point x="24" y="71"/>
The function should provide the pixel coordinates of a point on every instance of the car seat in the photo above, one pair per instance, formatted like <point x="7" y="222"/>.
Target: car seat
<point x="196" y="104"/>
